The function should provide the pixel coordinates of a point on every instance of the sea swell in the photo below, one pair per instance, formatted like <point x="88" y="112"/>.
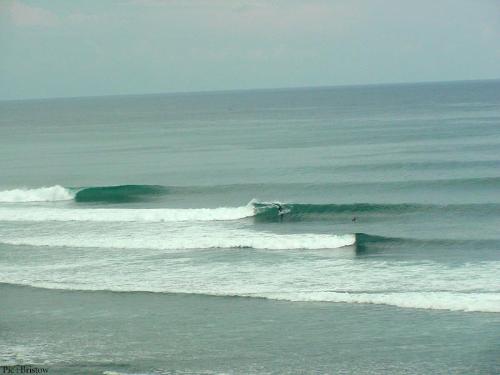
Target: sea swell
<point x="120" y="193"/>
<point x="262" y="211"/>
<point x="268" y="211"/>
<point x="138" y="193"/>
<point x="101" y="194"/>
<point x="259" y="211"/>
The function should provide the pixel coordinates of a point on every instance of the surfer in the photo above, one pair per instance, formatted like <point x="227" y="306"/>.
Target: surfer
<point x="354" y="219"/>
<point x="281" y="212"/>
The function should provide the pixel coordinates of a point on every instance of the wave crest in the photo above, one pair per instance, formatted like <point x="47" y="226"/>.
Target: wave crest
<point x="101" y="194"/>
<point x="120" y="193"/>
<point x="268" y="211"/>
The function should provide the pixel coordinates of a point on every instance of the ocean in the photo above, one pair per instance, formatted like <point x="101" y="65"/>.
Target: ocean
<point x="143" y="235"/>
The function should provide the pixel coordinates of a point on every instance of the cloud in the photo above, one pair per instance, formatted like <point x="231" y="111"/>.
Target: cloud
<point x="257" y="18"/>
<point x="80" y="18"/>
<point x="29" y="16"/>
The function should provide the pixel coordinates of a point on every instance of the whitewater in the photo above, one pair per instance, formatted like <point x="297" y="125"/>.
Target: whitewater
<point x="109" y="214"/>
<point x="277" y="275"/>
<point x="42" y="194"/>
<point x="142" y="234"/>
<point x="54" y="222"/>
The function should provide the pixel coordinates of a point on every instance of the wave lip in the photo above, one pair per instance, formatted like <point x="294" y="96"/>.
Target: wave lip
<point x="42" y="194"/>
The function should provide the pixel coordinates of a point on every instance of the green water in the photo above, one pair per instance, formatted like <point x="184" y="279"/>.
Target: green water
<point x="141" y="234"/>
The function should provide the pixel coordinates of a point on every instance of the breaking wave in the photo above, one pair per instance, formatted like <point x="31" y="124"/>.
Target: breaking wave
<point x="306" y="277"/>
<point x="453" y="301"/>
<point x="139" y="193"/>
<point x="260" y="211"/>
<point x="268" y="211"/>
<point x="101" y="194"/>
<point x="182" y="241"/>
<point x="125" y="214"/>
<point x="120" y="193"/>
<point x="43" y="194"/>
<point x="437" y="300"/>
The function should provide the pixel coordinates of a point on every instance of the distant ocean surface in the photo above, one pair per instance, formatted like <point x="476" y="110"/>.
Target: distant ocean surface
<point x="390" y="194"/>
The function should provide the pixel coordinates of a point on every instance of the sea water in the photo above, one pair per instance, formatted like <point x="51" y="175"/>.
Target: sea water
<point x="141" y="234"/>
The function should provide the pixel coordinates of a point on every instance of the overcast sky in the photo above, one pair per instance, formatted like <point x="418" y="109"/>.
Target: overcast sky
<point x="58" y="48"/>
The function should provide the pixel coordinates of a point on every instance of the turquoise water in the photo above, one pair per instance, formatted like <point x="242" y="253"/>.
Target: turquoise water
<point x="392" y="207"/>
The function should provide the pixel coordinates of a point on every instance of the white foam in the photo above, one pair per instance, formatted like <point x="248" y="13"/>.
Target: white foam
<point x="471" y="302"/>
<point x="43" y="194"/>
<point x="190" y="240"/>
<point x="467" y="302"/>
<point x="125" y="214"/>
<point x="17" y="354"/>
<point x="301" y="277"/>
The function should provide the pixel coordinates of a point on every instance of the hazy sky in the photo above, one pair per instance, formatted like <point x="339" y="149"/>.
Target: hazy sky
<point x="51" y="48"/>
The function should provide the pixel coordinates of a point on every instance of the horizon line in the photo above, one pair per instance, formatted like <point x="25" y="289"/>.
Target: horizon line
<point x="221" y="91"/>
